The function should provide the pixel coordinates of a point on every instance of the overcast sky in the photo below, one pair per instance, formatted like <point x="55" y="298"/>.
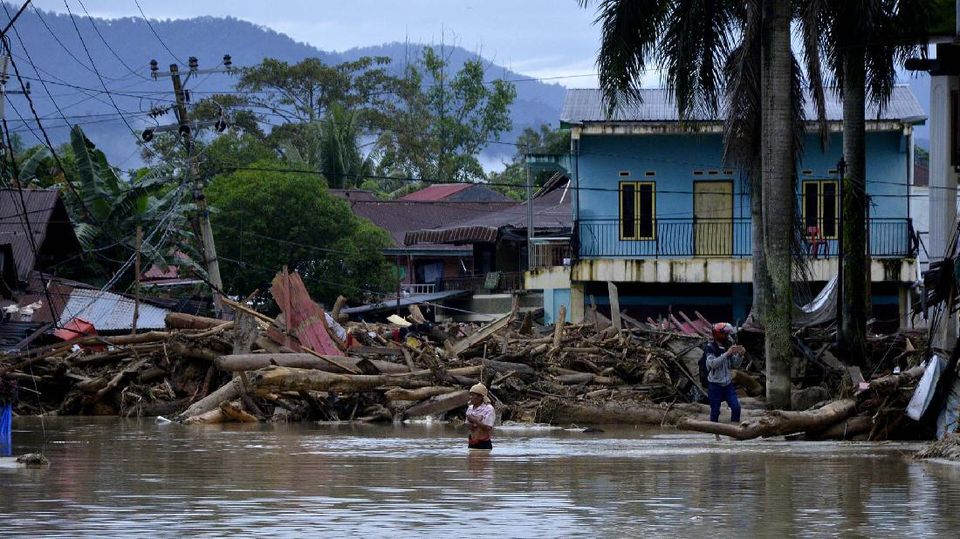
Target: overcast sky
<point x="540" y="38"/>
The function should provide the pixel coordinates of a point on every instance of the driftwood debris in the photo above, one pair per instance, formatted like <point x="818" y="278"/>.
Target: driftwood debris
<point x="304" y="365"/>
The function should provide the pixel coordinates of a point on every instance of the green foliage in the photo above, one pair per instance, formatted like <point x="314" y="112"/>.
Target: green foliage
<point x="264" y="220"/>
<point x="440" y="121"/>
<point x="543" y="140"/>
<point x="302" y="92"/>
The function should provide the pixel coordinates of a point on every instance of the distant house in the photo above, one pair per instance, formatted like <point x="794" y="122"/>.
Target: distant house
<point x="39" y="213"/>
<point x="456" y="192"/>
<point x="424" y="268"/>
<point x="659" y="213"/>
<point x="499" y="240"/>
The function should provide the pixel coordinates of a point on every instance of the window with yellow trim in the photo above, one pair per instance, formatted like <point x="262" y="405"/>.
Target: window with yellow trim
<point x="638" y="211"/>
<point x="821" y="206"/>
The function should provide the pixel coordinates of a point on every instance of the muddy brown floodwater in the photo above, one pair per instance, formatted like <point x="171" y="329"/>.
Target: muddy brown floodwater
<point x="112" y="477"/>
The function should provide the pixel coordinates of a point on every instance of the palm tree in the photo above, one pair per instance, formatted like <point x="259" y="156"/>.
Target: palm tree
<point x="778" y="114"/>
<point x="863" y="41"/>
<point x="734" y="52"/>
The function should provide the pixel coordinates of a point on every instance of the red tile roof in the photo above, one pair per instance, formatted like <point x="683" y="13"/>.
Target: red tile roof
<point x="435" y="192"/>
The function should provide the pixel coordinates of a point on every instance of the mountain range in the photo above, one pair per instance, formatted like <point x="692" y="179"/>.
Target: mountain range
<point x="69" y="61"/>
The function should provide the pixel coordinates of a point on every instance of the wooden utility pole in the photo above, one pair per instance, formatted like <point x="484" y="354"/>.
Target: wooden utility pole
<point x="185" y="128"/>
<point x="136" y="270"/>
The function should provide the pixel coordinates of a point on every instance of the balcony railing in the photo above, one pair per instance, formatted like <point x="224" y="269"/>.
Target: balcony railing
<point x="418" y="288"/>
<point x="553" y="253"/>
<point x="676" y="238"/>
<point x="496" y="281"/>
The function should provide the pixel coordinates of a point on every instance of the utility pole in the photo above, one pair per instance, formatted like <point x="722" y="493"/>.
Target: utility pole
<point x="4" y="63"/>
<point x="185" y="128"/>
<point x="530" y="253"/>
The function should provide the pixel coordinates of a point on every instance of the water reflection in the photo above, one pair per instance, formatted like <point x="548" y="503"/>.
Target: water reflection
<point x="111" y="477"/>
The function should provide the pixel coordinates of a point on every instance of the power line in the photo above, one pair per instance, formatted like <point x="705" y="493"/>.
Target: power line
<point x="13" y="19"/>
<point x="152" y="29"/>
<point x="111" y="49"/>
<point x="57" y="39"/>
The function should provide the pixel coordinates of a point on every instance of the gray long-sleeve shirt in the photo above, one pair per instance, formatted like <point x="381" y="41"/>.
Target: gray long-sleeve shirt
<point x="719" y="363"/>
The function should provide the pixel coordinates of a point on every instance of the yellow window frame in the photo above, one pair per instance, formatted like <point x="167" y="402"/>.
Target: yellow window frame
<point x="636" y="207"/>
<point x="820" y="199"/>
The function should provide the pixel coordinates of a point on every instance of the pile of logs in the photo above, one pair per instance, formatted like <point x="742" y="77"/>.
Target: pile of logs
<point x="256" y="368"/>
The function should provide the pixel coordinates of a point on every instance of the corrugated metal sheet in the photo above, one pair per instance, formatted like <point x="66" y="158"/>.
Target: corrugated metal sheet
<point x="48" y="221"/>
<point x="657" y="105"/>
<point x="110" y="312"/>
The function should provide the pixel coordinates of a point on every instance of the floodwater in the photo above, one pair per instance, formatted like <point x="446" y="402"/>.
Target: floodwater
<point x="112" y="477"/>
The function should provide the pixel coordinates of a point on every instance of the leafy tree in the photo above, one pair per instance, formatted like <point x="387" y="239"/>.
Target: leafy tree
<point x="302" y="92"/>
<point x="265" y="219"/>
<point x="441" y="121"/>
<point x="543" y="140"/>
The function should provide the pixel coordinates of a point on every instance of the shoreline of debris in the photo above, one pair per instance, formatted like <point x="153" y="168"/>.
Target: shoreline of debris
<point x="256" y="368"/>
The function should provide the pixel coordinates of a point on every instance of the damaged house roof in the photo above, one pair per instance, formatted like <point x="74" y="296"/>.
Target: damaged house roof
<point x="400" y="217"/>
<point x="552" y="214"/>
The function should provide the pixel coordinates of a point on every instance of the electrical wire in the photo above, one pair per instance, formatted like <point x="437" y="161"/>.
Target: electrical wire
<point x="111" y="49"/>
<point x="152" y="29"/>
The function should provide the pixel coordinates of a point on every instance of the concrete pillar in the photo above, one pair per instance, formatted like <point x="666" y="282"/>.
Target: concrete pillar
<point x="943" y="186"/>
<point x="577" y="303"/>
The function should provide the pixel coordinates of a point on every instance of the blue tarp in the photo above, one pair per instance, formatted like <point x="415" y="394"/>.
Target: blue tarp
<point x="6" y="428"/>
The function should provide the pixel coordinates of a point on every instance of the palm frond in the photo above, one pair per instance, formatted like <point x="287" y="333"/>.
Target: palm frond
<point x="696" y="41"/>
<point x="629" y="35"/>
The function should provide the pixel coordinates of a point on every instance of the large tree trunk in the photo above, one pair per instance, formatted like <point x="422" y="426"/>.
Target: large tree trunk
<point x="761" y="280"/>
<point x="777" y="423"/>
<point x="252" y="362"/>
<point x="778" y="195"/>
<point x="856" y="277"/>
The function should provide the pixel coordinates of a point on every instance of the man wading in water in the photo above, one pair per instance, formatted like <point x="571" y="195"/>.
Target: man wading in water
<point x="480" y="418"/>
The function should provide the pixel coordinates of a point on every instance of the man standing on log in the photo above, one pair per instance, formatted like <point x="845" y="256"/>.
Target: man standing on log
<point x="480" y="418"/>
<point x="720" y="359"/>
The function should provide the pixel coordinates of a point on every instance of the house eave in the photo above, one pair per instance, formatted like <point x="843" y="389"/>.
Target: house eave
<point x="677" y="128"/>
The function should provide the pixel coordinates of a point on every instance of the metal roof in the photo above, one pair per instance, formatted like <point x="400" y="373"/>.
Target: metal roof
<point x="399" y="216"/>
<point x="657" y="105"/>
<point x="48" y="222"/>
<point x="456" y="192"/>
<point x="110" y="312"/>
<point x="551" y="211"/>
<point x="406" y="301"/>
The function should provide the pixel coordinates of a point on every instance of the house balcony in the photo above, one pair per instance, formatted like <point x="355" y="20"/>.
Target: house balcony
<point x="720" y="251"/>
<point x="729" y="238"/>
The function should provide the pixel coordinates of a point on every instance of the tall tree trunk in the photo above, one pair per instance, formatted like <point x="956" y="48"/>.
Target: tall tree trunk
<point x="761" y="279"/>
<point x="856" y="277"/>
<point x="778" y="195"/>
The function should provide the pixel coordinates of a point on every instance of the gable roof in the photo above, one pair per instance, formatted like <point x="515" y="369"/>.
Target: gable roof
<point x="53" y="235"/>
<point x="455" y="192"/>
<point x="657" y="105"/>
<point x="398" y="217"/>
<point x="552" y="212"/>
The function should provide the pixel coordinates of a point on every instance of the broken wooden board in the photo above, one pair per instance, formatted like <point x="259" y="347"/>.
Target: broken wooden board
<point x="454" y="348"/>
<point x="614" y="305"/>
<point x="439" y="405"/>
